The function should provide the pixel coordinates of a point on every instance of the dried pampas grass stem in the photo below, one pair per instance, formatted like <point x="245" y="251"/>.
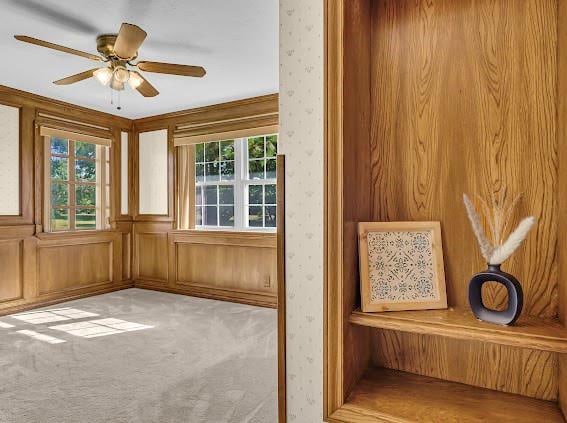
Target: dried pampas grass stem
<point x="498" y="217"/>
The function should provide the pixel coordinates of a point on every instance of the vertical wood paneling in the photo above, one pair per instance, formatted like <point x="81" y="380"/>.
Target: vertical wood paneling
<point x="151" y="256"/>
<point x="12" y="273"/>
<point x="464" y="101"/>
<point x="93" y="264"/>
<point x="356" y="148"/>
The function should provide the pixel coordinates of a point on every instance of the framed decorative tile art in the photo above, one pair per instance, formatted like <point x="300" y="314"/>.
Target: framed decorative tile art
<point x="401" y="266"/>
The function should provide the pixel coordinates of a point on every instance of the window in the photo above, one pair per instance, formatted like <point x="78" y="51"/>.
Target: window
<point x="235" y="183"/>
<point x="77" y="191"/>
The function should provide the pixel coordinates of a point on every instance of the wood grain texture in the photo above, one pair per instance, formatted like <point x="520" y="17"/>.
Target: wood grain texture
<point x="563" y="384"/>
<point x="464" y="96"/>
<point x="232" y="261"/>
<point x="528" y="332"/>
<point x="464" y="100"/>
<point x="12" y="265"/>
<point x="513" y="370"/>
<point x="150" y="256"/>
<point x="356" y="177"/>
<point x="96" y="258"/>
<point x="562" y="159"/>
<point x="267" y="104"/>
<point x="393" y="396"/>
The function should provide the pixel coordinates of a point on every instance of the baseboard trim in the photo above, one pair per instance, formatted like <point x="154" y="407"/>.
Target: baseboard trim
<point x="260" y="300"/>
<point x="37" y="303"/>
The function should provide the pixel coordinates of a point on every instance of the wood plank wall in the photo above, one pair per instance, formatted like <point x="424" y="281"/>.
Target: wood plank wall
<point x="41" y="268"/>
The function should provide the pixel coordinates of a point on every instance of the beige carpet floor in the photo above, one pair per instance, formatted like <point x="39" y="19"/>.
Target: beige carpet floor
<point x="139" y="356"/>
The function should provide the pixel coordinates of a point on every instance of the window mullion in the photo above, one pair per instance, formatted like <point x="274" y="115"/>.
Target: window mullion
<point x="72" y="199"/>
<point x="239" y="157"/>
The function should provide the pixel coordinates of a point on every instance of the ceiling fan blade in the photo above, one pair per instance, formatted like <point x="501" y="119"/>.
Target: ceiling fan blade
<point x="64" y="49"/>
<point x="145" y="88"/>
<point x="172" y="69"/>
<point x="75" y="78"/>
<point x="129" y="39"/>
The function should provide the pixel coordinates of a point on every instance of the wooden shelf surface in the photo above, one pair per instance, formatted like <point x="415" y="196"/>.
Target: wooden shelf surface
<point x="394" y="396"/>
<point x="528" y="332"/>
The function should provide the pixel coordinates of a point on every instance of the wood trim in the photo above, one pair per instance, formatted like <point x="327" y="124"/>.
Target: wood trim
<point x="19" y="231"/>
<point x="62" y="109"/>
<point x="171" y="181"/>
<point x="218" y="112"/>
<point x="233" y="238"/>
<point x="241" y="297"/>
<point x="74" y="131"/>
<point x="280" y="219"/>
<point x="333" y="396"/>
<point x="26" y="166"/>
<point x="27" y="304"/>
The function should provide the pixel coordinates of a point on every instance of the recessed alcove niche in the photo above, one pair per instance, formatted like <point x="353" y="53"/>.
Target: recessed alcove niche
<point x="427" y="100"/>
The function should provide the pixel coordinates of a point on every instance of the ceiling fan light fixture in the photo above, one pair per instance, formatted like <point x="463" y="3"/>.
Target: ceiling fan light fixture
<point x="121" y="74"/>
<point x="103" y="75"/>
<point x="116" y="85"/>
<point x="135" y="80"/>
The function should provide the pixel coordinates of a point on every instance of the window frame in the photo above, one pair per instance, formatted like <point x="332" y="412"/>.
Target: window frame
<point x="101" y="184"/>
<point x="241" y="184"/>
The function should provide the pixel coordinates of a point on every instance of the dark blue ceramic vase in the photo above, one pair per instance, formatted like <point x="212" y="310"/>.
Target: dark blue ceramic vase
<point x="515" y="296"/>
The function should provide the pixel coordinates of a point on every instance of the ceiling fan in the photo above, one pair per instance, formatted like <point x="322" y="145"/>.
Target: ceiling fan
<point x="119" y="51"/>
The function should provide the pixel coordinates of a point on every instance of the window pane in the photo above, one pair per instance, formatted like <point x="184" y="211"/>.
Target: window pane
<point x="85" y="170"/>
<point x="211" y="151"/>
<point x="227" y="171"/>
<point x="59" y="219"/>
<point x="271" y="145"/>
<point x="226" y="214"/>
<point x="198" y="195"/>
<point x="198" y="216"/>
<point x="212" y="171"/>
<point x="271" y="168"/>
<point x="200" y="153"/>
<point x="85" y="149"/>
<point x="226" y="195"/>
<point x="210" y="215"/>
<point x="255" y="194"/>
<point x="227" y="150"/>
<point x="211" y="195"/>
<point x="255" y="216"/>
<point x="85" y="219"/>
<point x="270" y="194"/>
<point x="270" y="216"/>
<point x="256" y="169"/>
<point x="60" y="168"/>
<point x="85" y="195"/>
<point x="256" y="147"/>
<point x="59" y="194"/>
<point x="59" y="146"/>
<point x="199" y="172"/>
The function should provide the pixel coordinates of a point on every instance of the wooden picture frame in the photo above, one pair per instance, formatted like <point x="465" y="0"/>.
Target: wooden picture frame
<point x="401" y="266"/>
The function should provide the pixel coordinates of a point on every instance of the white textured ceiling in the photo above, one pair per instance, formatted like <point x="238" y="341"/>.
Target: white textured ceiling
<point x="236" y="41"/>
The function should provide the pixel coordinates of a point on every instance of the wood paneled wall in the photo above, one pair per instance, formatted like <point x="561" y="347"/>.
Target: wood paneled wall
<point x="143" y="250"/>
<point x="437" y="98"/>
<point x="234" y="266"/>
<point x="41" y="268"/>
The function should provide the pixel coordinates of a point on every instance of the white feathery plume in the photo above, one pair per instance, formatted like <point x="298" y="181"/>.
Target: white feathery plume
<point x="502" y="252"/>
<point x="485" y="247"/>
